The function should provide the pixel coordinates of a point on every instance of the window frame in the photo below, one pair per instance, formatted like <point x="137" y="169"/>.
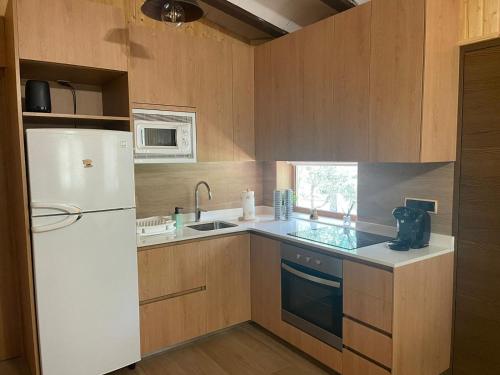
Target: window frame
<point x="305" y="210"/>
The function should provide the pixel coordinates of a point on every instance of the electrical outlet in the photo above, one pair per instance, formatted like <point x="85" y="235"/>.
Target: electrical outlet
<point x="429" y="205"/>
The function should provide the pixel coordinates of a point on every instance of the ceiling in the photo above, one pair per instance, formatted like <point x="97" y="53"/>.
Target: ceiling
<point x="271" y="18"/>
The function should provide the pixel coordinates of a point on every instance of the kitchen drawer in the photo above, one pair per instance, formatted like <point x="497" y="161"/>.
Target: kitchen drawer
<point x="172" y="321"/>
<point x="171" y="269"/>
<point x="368" y="342"/>
<point x="353" y="364"/>
<point x="368" y="295"/>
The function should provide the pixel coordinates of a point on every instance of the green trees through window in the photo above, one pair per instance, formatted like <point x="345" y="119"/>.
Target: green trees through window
<point x="327" y="187"/>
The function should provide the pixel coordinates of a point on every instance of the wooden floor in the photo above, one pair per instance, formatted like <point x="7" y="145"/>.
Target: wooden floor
<point x="243" y="350"/>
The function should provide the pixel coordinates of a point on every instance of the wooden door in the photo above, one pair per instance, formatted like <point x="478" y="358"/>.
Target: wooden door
<point x="312" y="137"/>
<point x="351" y="67"/>
<point x="396" y="78"/>
<point x="163" y="67"/>
<point x="73" y="32"/>
<point x="477" y="315"/>
<point x="228" y="281"/>
<point x="265" y="258"/>
<point x="213" y="97"/>
<point x="243" y="101"/>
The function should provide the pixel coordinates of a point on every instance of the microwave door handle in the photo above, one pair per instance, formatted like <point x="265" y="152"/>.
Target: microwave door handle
<point x="314" y="279"/>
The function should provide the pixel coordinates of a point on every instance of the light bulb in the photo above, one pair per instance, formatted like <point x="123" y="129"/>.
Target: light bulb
<point x="173" y="12"/>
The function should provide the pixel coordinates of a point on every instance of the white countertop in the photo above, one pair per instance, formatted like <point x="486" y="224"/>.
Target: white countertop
<point x="266" y="225"/>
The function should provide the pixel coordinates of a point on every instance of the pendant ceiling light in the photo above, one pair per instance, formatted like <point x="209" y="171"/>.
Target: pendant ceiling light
<point x="172" y="11"/>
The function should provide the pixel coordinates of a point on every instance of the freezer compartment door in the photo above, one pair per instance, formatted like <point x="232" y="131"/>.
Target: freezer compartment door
<point x="87" y="292"/>
<point x="92" y="170"/>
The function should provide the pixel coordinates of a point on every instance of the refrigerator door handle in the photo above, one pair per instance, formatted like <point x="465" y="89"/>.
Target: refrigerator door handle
<point x="69" y="220"/>
<point x="66" y="208"/>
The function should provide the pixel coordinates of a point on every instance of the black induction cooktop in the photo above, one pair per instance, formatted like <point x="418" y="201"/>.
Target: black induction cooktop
<point x="345" y="238"/>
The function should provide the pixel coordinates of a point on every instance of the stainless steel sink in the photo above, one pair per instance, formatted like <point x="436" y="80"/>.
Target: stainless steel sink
<point x="214" y="225"/>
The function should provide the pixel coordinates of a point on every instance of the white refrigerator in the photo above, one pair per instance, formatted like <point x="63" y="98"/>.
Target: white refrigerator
<point x="81" y="185"/>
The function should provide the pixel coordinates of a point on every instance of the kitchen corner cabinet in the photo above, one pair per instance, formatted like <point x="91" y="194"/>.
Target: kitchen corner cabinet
<point x="265" y="260"/>
<point x="377" y="83"/>
<point x="294" y="95"/>
<point x="395" y="320"/>
<point x="73" y="32"/>
<point x="190" y="289"/>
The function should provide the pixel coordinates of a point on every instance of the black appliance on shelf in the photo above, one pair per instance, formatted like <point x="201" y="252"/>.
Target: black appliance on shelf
<point x="38" y="96"/>
<point x="414" y="229"/>
<point x="311" y="293"/>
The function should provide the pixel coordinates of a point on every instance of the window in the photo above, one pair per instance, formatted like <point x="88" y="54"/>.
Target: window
<point x="330" y="188"/>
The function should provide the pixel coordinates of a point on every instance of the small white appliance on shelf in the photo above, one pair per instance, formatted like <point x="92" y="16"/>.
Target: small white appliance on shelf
<point x="84" y="249"/>
<point x="164" y="136"/>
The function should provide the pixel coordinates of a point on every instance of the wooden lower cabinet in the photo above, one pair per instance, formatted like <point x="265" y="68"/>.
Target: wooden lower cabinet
<point x="353" y="364"/>
<point x="191" y="289"/>
<point x="368" y="295"/>
<point x="395" y="322"/>
<point x="172" y="321"/>
<point x="228" y="281"/>
<point x="171" y="269"/>
<point x="367" y="341"/>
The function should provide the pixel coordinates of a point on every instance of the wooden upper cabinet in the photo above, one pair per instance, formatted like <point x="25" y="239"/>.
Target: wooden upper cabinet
<point x="312" y="135"/>
<point x="294" y="95"/>
<point x="287" y="101"/>
<point x="377" y="83"/>
<point x="351" y="69"/>
<point x="214" y="100"/>
<point x="414" y="80"/>
<point x="162" y="67"/>
<point x="397" y="43"/>
<point x="243" y="102"/>
<point x="73" y="32"/>
<point x="264" y="114"/>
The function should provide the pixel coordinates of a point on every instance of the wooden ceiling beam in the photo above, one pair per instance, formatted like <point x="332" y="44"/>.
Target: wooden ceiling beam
<point x="246" y="17"/>
<point x="340" y="5"/>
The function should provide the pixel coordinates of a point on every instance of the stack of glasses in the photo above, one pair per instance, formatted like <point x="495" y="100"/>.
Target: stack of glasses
<point x="288" y="204"/>
<point x="278" y="201"/>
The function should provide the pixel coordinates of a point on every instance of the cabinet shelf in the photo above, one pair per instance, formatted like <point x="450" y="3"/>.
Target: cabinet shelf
<point x="63" y="118"/>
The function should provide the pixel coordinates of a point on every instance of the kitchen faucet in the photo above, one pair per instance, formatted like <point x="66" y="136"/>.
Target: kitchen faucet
<point x="197" y="210"/>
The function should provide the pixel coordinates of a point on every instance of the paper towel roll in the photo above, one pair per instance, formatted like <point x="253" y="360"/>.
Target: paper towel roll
<point x="248" y="204"/>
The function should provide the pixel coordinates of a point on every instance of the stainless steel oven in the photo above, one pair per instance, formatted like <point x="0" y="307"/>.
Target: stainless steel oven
<point x="311" y="293"/>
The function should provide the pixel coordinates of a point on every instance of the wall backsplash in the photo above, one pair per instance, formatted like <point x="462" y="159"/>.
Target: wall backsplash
<point x="381" y="187"/>
<point x="162" y="187"/>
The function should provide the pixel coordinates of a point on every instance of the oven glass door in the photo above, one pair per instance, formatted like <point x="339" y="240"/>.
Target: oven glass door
<point x="159" y="137"/>
<point x="313" y="297"/>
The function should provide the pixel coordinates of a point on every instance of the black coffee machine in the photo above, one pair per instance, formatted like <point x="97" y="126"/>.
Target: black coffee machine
<point x="414" y="229"/>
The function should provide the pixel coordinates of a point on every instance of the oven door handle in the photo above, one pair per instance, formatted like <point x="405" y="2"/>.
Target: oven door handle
<point x="314" y="279"/>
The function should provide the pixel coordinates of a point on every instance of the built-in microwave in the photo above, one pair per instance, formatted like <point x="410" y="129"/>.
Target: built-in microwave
<point x="164" y="136"/>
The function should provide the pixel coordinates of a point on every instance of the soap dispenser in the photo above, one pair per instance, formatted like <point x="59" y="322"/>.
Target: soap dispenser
<point x="179" y="218"/>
